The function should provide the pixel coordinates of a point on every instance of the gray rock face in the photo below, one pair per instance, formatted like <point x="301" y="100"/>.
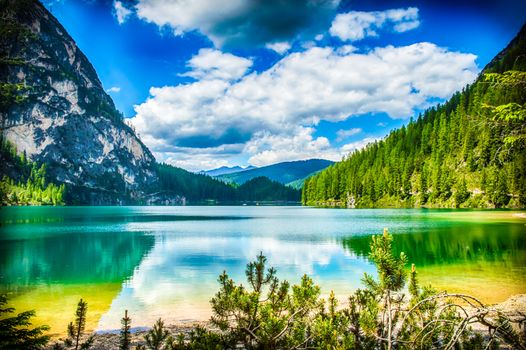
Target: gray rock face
<point x="55" y="109"/>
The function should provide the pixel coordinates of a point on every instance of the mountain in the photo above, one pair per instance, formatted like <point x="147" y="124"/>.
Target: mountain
<point x="284" y="173"/>
<point x="225" y="170"/>
<point x="54" y="110"/>
<point x="468" y="152"/>
<point x="62" y="139"/>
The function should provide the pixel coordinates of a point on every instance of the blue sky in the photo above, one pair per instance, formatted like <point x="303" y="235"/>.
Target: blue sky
<point x="209" y="83"/>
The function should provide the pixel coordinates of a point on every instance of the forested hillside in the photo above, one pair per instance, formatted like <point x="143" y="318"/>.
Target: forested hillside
<point x="263" y="189"/>
<point x="23" y="182"/>
<point x="199" y="188"/>
<point x="468" y="152"/>
<point x="194" y="187"/>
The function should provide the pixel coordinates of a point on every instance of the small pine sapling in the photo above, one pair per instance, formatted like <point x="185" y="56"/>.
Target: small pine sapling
<point x="125" y="335"/>
<point x="76" y="329"/>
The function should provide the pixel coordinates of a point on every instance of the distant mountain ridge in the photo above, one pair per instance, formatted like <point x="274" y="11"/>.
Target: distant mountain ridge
<point x="284" y="173"/>
<point x="225" y="170"/>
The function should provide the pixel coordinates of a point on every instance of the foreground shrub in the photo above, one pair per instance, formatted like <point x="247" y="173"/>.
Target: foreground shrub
<point x="125" y="335"/>
<point x="268" y="314"/>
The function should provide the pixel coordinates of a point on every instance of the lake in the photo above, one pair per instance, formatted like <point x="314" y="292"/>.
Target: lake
<point x="164" y="261"/>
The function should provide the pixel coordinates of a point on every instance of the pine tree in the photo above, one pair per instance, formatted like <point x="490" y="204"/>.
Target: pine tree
<point x="125" y="336"/>
<point x="462" y="193"/>
<point x="76" y="329"/>
<point x="391" y="279"/>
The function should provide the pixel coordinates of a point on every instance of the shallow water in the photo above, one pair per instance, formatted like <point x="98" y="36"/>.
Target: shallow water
<point x="164" y="261"/>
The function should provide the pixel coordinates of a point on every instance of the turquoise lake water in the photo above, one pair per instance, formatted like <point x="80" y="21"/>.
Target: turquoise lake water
<point x="164" y="261"/>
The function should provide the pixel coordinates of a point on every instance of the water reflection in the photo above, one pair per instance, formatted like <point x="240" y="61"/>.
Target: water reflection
<point x="48" y="265"/>
<point x="164" y="261"/>
<point x="179" y="276"/>
<point x="454" y="244"/>
<point x="102" y="257"/>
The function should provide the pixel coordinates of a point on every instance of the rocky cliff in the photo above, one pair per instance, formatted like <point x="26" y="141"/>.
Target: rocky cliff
<point x="53" y="107"/>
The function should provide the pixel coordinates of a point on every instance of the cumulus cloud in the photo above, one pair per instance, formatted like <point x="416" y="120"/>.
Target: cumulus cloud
<point x="274" y="113"/>
<point x="343" y="134"/>
<point x="240" y="22"/>
<point x="357" y="145"/>
<point x="356" y="25"/>
<point x="197" y="159"/>
<point x="297" y="144"/>
<point x="121" y="12"/>
<point x="211" y="64"/>
<point x="184" y="115"/>
<point x="279" y="47"/>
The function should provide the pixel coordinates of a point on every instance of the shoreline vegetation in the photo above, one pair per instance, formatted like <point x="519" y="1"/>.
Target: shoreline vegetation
<point x="392" y="311"/>
<point x="109" y="339"/>
<point x="24" y="182"/>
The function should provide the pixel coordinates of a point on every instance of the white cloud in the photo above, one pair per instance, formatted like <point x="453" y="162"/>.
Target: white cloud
<point x="279" y="47"/>
<point x="114" y="89"/>
<point x="211" y="64"/>
<point x="356" y="25"/>
<point x="343" y="134"/>
<point x="267" y="148"/>
<point x="121" y="12"/>
<point x="195" y="163"/>
<point x="357" y="145"/>
<point x="406" y="26"/>
<point x="239" y="22"/>
<point x="184" y="16"/>
<point x="346" y="49"/>
<point x="274" y="112"/>
<point x="197" y="159"/>
<point x="174" y="112"/>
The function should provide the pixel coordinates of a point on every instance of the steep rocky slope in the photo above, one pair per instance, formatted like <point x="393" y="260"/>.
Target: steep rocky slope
<point x="53" y="107"/>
